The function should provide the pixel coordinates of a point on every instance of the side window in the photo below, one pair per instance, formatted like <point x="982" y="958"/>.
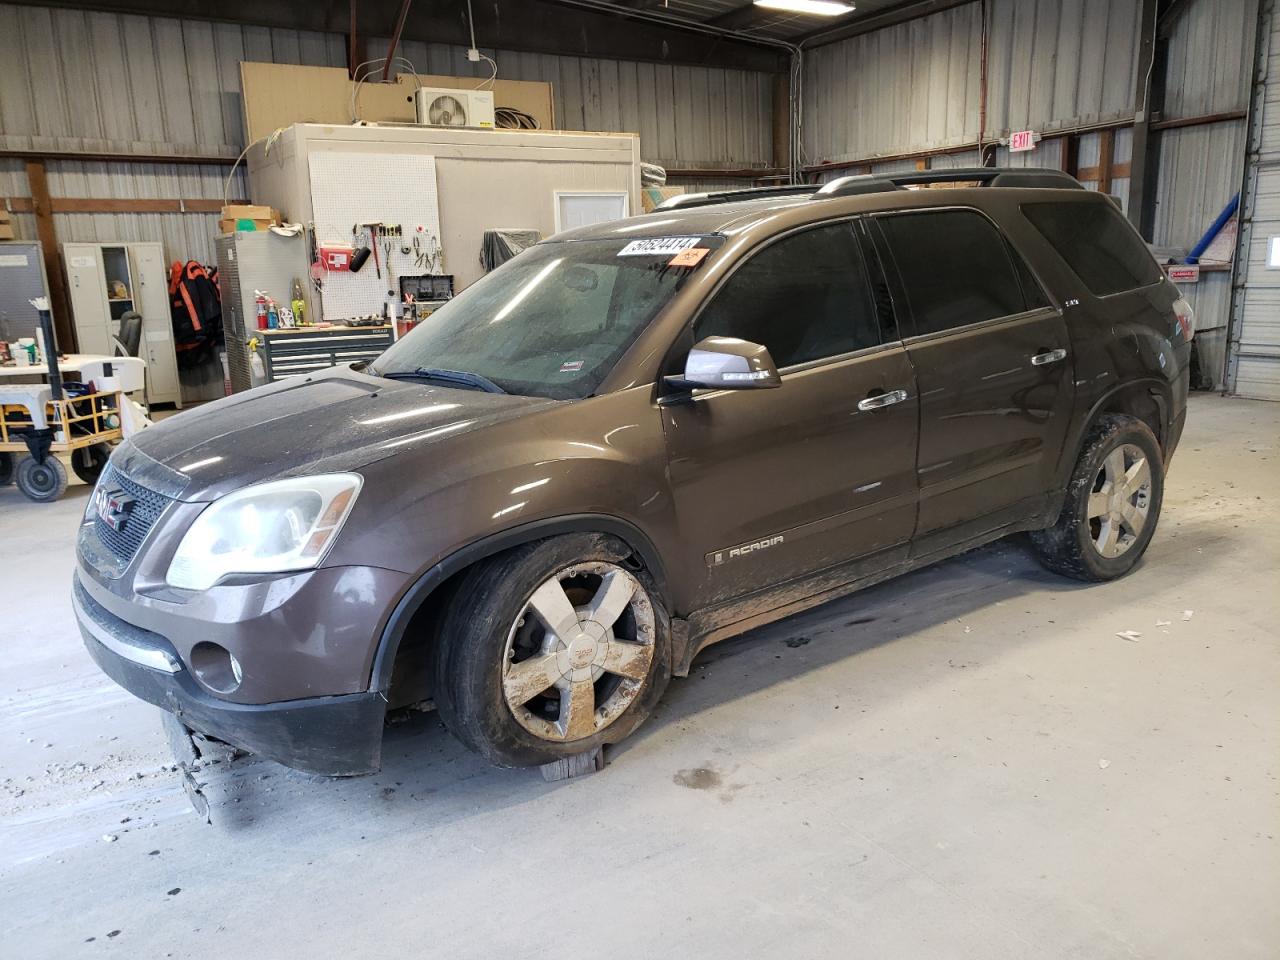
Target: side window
<point x="955" y="268"/>
<point x="1032" y="292"/>
<point x="804" y="297"/>
<point x="1097" y="242"/>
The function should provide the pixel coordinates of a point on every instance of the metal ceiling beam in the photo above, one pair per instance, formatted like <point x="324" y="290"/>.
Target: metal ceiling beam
<point x="534" y="26"/>
<point x="395" y="39"/>
<point x="860" y="25"/>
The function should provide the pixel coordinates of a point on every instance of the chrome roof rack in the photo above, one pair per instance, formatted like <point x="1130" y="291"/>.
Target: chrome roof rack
<point x="685" y="200"/>
<point x="1035" y="177"/>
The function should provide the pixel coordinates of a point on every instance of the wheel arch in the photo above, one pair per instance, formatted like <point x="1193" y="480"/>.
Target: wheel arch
<point x="1148" y="400"/>
<point x="416" y="598"/>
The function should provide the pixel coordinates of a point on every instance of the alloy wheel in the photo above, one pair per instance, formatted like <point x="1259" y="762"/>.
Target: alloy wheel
<point x="579" y="652"/>
<point x="1120" y="501"/>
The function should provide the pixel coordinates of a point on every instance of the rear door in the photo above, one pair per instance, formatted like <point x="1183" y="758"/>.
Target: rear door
<point x="772" y="485"/>
<point x="993" y="364"/>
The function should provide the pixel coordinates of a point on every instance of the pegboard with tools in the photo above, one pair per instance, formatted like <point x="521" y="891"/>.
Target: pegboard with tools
<point x="384" y="208"/>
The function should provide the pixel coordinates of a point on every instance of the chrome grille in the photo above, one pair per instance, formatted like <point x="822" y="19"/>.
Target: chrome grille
<point x="146" y="510"/>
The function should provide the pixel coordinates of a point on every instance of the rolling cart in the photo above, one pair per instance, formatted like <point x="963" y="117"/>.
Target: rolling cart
<point x="40" y="420"/>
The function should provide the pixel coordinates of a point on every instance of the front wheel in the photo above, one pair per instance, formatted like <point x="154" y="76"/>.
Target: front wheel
<point x="42" y="482"/>
<point x="551" y="650"/>
<point x="1112" y="504"/>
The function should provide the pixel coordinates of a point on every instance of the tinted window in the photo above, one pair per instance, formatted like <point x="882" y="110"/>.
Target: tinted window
<point x="1097" y="242"/>
<point x="1032" y="293"/>
<point x="955" y="268"/>
<point x="804" y="297"/>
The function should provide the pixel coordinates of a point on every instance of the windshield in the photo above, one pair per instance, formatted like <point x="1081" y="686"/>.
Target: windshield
<point x="551" y="322"/>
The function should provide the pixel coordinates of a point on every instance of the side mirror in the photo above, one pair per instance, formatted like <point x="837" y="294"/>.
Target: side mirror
<point x="726" y="363"/>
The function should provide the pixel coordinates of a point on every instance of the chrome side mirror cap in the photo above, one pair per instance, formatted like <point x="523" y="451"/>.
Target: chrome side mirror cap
<point x="726" y="363"/>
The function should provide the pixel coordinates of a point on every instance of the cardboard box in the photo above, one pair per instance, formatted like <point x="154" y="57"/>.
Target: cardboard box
<point x="261" y="216"/>
<point x="6" y="225"/>
<point x="650" y="197"/>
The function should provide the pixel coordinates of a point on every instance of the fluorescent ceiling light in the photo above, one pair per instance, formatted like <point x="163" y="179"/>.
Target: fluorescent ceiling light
<point x="819" y="8"/>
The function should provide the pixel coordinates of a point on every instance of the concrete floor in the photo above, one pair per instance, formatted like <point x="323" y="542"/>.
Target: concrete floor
<point x="967" y="762"/>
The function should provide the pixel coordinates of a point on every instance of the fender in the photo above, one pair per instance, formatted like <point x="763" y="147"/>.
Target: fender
<point x="1156" y="389"/>
<point x="413" y="598"/>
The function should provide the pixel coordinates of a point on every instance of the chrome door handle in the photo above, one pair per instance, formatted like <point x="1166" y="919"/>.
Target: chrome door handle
<point x="1053" y="356"/>
<point x="882" y="400"/>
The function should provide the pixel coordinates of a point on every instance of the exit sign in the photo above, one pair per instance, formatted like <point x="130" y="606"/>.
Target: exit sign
<point x="1021" y="141"/>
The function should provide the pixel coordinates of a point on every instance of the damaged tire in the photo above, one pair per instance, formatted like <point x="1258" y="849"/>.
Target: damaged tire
<point x="551" y="650"/>
<point x="1112" y="505"/>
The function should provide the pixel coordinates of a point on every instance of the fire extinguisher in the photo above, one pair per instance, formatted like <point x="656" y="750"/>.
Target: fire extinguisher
<point x="260" y="299"/>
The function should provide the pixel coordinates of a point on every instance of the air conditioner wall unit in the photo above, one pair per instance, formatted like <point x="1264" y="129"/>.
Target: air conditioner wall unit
<point x="446" y="107"/>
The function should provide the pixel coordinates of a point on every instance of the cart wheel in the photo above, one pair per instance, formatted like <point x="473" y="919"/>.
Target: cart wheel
<point x="6" y="469"/>
<point x="42" y="482"/>
<point x="87" y="462"/>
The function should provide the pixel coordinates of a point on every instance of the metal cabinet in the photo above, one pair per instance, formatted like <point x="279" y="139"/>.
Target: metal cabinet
<point x="106" y="281"/>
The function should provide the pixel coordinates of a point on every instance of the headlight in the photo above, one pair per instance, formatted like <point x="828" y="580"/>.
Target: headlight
<point x="267" y="528"/>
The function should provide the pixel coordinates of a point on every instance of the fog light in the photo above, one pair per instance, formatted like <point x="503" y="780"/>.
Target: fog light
<point x="215" y="667"/>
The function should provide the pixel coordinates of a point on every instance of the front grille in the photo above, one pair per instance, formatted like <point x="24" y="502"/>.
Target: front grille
<point x="146" y="510"/>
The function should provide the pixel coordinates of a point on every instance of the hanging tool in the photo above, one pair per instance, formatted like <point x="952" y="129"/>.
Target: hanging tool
<point x="391" y="277"/>
<point x="373" y="242"/>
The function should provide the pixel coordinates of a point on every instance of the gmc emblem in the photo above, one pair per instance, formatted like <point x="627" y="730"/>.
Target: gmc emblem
<point x="113" y="508"/>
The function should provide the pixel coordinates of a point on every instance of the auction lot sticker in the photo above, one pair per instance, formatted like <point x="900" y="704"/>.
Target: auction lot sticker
<point x="658" y="246"/>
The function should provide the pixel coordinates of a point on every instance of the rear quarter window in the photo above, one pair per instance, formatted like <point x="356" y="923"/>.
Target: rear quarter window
<point x="1098" y="244"/>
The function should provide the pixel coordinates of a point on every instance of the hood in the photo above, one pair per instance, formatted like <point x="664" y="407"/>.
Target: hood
<point x="326" y="423"/>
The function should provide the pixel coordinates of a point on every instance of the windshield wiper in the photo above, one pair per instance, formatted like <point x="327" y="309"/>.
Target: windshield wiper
<point x="461" y="378"/>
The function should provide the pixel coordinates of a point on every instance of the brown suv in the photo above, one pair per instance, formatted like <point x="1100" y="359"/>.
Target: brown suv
<point x="632" y="441"/>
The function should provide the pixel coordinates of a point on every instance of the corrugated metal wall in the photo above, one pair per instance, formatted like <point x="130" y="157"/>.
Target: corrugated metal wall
<point x="73" y="80"/>
<point x="914" y="87"/>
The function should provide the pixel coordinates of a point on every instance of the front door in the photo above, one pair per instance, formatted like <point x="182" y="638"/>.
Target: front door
<point x="993" y="364"/>
<point x="775" y="485"/>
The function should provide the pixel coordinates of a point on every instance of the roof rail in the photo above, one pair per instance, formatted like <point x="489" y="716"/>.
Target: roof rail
<point x="1041" y="177"/>
<point x="684" y="200"/>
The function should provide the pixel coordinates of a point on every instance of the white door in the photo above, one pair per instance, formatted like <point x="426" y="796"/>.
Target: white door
<point x="88" y="284"/>
<point x="151" y="299"/>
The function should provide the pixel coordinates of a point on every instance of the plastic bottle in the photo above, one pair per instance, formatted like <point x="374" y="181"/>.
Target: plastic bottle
<point x="273" y="318"/>
<point x="260" y="299"/>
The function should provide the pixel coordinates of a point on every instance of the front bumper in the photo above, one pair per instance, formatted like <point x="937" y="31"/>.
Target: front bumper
<point x="333" y="736"/>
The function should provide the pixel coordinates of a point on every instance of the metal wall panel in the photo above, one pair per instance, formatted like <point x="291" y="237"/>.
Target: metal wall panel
<point x="1210" y="58"/>
<point x="1052" y="64"/>
<point x="909" y="87"/>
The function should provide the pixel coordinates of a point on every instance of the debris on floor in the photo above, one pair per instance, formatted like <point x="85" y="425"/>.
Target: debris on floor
<point x="1103" y="764"/>
<point x="1131" y="635"/>
<point x="1186" y="615"/>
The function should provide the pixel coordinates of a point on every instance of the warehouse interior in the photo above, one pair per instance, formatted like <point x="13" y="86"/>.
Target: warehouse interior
<point x="976" y="759"/>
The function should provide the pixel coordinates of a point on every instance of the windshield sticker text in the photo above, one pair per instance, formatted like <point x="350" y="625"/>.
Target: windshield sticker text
<point x="571" y="366"/>
<point x="658" y="246"/>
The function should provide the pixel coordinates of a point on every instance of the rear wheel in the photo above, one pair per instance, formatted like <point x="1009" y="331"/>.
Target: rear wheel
<point x="551" y="650"/>
<point x="1112" y="505"/>
<point x="42" y="482"/>
<point x="87" y="462"/>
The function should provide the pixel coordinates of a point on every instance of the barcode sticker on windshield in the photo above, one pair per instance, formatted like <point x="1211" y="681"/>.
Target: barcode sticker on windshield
<point x="658" y="246"/>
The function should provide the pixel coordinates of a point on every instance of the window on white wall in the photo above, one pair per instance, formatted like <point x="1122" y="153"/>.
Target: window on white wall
<point x="1273" y="253"/>
<point x="581" y="208"/>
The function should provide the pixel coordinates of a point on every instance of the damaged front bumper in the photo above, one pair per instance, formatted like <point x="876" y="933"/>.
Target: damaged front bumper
<point x="332" y="736"/>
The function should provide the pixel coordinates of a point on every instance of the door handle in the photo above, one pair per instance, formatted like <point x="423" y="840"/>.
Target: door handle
<point x="882" y="400"/>
<point x="1050" y="356"/>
